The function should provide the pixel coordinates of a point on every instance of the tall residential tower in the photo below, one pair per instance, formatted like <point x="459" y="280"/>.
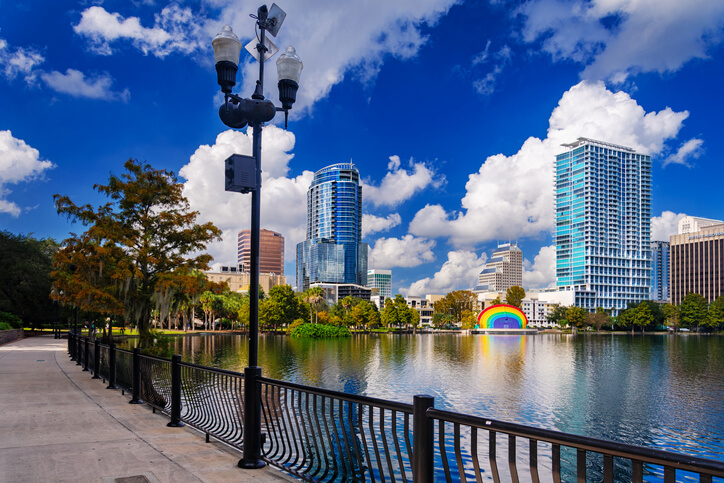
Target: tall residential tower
<point x="660" y="271"/>
<point x="603" y="224"/>
<point x="503" y="270"/>
<point x="333" y="251"/>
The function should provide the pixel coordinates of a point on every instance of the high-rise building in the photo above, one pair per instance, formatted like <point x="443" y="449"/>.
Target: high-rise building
<point x="382" y="281"/>
<point x="603" y="224"/>
<point x="503" y="270"/>
<point x="271" y="251"/>
<point x="660" y="271"/>
<point x="333" y="251"/>
<point x="691" y="224"/>
<point x="697" y="264"/>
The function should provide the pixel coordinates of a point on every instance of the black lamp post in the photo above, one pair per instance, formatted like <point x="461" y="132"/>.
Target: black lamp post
<point x="243" y="174"/>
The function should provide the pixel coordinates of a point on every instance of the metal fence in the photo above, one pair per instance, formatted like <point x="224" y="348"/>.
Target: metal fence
<point x="328" y="436"/>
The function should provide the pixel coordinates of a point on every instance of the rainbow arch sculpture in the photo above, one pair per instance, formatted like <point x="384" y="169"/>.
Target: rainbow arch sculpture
<point x="502" y="316"/>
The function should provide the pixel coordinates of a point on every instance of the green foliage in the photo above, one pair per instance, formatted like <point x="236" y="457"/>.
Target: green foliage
<point x="693" y="310"/>
<point x="558" y="316"/>
<point x="5" y="326"/>
<point x="626" y="318"/>
<point x="515" y="296"/>
<point x="296" y="324"/>
<point x="715" y="317"/>
<point x="314" y="296"/>
<point x="496" y="301"/>
<point x="397" y="314"/>
<point x="455" y="303"/>
<point x="440" y="320"/>
<point x="673" y="315"/>
<point x="25" y="283"/>
<point x="292" y="308"/>
<point x="320" y="331"/>
<point x="598" y="319"/>
<point x="576" y="316"/>
<point x="643" y="316"/>
<point x="469" y="320"/>
<point x="10" y="320"/>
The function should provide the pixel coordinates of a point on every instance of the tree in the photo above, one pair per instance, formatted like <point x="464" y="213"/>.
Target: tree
<point x="693" y="310"/>
<point x="288" y="302"/>
<point x="598" y="319"/>
<point x="455" y="302"/>
<point x="469" y="320"/>
<point x="25" y="282"/>
<point x="715" y="316"/>
<point x="150" y="221"/>
<point x="496" y="301"/>
<point x="643" y="316"/>
<point x="271" y="314"/>
<point x="576" y="317"/>
<point x="673" y="315"/>
<point x="515" y="296"/>
<point x="626" y="318"/>
<point x="558" y="316"/>
<point x="314" y="296"/>
<point x="364" y="314"/>
<point x="440" y="320"/>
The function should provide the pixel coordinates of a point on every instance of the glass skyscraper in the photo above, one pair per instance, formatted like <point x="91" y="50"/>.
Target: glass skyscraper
<point x="382" y="280"/>
<point x="603" y="224"/>
<point x="333" y="251"/>
<point x="660" y="271"/>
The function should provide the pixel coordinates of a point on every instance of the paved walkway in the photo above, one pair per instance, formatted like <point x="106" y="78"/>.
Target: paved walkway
<point x="57" y="424"/>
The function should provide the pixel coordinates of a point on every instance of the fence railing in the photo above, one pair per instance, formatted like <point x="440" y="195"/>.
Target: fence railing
<point x="328" y="436"/>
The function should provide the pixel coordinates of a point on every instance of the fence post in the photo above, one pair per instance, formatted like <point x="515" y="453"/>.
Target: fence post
<point x="136" y="390"/>
<point x="86" y="343"/>
<point x="78" y="342"/>
<point x="422" y="440"/>
<point x="70" y="345"/>
<point x="175" y="392"/>
<point x="252" y="420"/>
<point x="112" y="366"/>
<point x="96" y="359"/>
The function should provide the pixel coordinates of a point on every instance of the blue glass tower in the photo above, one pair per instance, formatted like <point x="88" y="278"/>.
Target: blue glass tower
<point x="660" y="271"/>
<point x="603" y="224"/>
<point x="333" y="251"/>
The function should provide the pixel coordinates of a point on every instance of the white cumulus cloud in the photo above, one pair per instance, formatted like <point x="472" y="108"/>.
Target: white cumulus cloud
<point x="175" y="29"/>
<point x="662" y="227"/>
<point x="76" y="84"/>
<point x="617" y="38"/>
<point x="19" y="163"/>
<point x="19" y="61"/>
<point x="691" y="149"/>
<point x="407" y="251"/>
<point x="401" y="184"/>
<point x="372" y="224"/>
<point x="460" y="271"/>
<point x="512" y="196"/>
<point x="283" y="199"/>
<point x="542" y="272"/>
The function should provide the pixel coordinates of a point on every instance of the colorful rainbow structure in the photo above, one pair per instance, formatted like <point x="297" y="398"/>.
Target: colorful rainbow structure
<point x="502" y="316"/>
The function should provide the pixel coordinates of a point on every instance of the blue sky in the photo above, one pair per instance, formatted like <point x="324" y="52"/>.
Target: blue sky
<point x="452" y="112"/>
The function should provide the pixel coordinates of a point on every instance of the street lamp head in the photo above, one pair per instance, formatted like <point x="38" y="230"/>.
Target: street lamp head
<point x="227" y="49"/>
<point x="289" y="70"/>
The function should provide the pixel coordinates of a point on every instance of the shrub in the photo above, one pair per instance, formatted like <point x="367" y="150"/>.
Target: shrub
<point x="319" y="331"/>
<point x="11" y="320"/>
<point x="5" y="326"/>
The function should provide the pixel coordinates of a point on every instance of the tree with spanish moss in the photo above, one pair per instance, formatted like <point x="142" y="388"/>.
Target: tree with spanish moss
<point x="146" y="230"/>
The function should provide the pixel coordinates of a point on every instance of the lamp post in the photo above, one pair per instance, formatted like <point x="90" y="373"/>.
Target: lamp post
<point x="243" y="174"/>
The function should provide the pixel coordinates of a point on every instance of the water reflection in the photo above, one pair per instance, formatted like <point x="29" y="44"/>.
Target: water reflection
<point x="654" y="390"/>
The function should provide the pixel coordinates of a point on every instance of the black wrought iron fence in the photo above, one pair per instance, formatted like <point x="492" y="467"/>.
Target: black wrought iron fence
<point x="322" y="435"/>
<point x="212" y="402"/>
<point x="327" y="436"/>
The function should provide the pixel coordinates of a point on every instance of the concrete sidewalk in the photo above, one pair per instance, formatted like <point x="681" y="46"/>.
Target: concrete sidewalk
<point x="58" y="424"/>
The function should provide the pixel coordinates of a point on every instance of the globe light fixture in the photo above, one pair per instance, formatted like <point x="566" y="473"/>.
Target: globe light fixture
<point x="227" y="49"/>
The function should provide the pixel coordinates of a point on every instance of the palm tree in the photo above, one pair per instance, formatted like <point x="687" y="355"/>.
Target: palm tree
<point x="313" y="296"/>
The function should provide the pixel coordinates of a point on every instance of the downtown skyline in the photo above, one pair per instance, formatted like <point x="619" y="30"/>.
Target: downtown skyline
<point x="453" y="113"/>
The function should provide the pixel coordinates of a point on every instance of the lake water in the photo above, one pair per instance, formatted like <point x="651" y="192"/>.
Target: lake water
<point x="664" y="391"/>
